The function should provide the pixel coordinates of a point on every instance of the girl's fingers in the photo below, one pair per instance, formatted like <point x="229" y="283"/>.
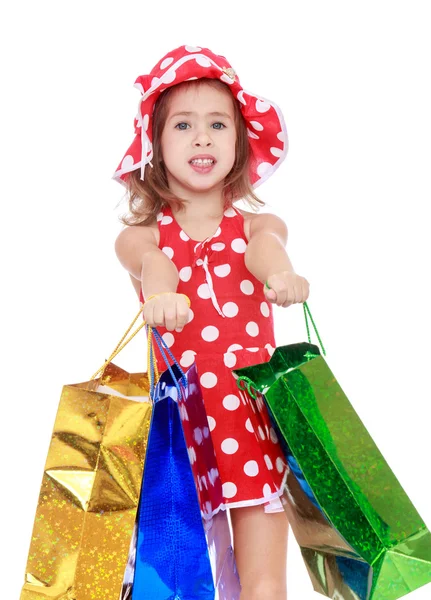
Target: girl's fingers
<point x="270" y="295"/>
<point x="170" y="316"/>
<point x="158" y="315"/>
<point x="149" y="314"/>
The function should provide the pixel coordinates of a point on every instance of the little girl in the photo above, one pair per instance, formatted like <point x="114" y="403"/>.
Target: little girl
<point x="203" y="142"/>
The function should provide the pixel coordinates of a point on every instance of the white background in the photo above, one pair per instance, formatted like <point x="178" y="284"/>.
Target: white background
<point x="352" y="79"/>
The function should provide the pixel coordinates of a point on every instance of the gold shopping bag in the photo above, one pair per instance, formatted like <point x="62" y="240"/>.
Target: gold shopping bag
<point x="90" y="488"/>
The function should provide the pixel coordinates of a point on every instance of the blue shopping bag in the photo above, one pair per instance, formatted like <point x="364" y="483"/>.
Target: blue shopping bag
<point x="183" y="543"/>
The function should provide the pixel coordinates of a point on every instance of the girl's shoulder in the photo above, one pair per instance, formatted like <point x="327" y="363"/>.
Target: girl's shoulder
<point x="259" y="221"/>
<point x="248" y="218"/>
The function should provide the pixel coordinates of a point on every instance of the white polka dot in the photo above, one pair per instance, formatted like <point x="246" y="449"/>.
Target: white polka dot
<point x="187" y="358"/>
<point x="218" y="246"/>
<point x="166" y="62"/>
<point x="166" y="220"/>
<point x="230" y="212"/>
<point x="197" y="434"/>
<point x="192" y="454"/>
<point x="145" y="122"/>
<point x="267" y="490"/>
<point x="210" y="333"/>
<point x="264" y="309"/>
<point x="229" y="489"/>
<point x="234" y="347"/>
<point x="191" y="316"/>
<point x="229" y="360"/>
<point x="249" y="426"/>
<point x="203" y="61"/>
<point x="184" y="236"/>
<point x="240" y="97"/>
<point x="247" y="287"/>
<point x="270" y="349"/>
<point x="230" y="309"/>
<point x="208" y="380"/>
<point x="273" y="435"/>
<point x="281" y="136"/>
<point x="251" y="468"/>
<point x="280" y="465"/>
<point x="212" y="476"/>
<point x="222" y="270"/>
<point x="253" y="349"/>
<point x="185" y="273"/>
<point x="251" y="134"/>
<point x="168" y="251"/>
<point x="252" y="329"/>
<point x="261" y="432"/>
<point x="193" y="49"/>
<point x="239" y="245"/>
<point x="218" y="232"/>
<point x="204" y="291"/>
<point x="169" y="339"/>
<point x="159" y="216"/>
<point x="262" y="106"/>
<point x="256" y="125"/>
<point x="183" y="412"/>
<point x="199" y="262"/>
<point x="231" y="402"/>
<point x="229" y="446"/>
<point x="268" y="462"/>
<point x="127" y="162"/>
<point x="168" y="76"/>
<point x="211" y="422"/>
<point x="276" y="151"/>
<point x="263" y="168"/>
<point x="206" y="432"/>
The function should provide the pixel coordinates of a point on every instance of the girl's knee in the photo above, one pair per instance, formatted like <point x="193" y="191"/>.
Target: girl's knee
<point x="264" y="590"/>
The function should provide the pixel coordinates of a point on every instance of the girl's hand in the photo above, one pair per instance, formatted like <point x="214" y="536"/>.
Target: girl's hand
<point x="168" y="310"/>
<point x="287" y="288"/>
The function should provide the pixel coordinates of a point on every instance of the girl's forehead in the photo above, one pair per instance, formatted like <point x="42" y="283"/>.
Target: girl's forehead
<point x="194" y="97"/>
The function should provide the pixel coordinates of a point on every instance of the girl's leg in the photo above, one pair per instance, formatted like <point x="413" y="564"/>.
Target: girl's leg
<point x="260" y="547"/>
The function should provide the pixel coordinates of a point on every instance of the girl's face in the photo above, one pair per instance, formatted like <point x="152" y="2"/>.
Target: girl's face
<point x="199" y="123"/>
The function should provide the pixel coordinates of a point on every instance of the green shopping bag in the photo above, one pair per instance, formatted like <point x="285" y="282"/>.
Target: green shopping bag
<point x="360" y="536"/>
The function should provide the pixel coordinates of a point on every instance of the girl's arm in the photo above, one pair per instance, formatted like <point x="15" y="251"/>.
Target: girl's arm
<point x="266" y="258"/>
<point x="137" y="250"/>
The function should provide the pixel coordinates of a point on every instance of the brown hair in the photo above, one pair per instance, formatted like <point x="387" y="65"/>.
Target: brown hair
<point x="146" y="198"/>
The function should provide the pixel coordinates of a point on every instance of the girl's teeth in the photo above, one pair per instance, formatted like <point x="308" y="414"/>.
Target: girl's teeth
<point x="202" y="162"/>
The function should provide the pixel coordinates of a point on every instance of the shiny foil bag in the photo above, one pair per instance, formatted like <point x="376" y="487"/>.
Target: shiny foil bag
<point x="90" y="489"/>
<point x="360" y="536"/>
<point x="183" y="548"/>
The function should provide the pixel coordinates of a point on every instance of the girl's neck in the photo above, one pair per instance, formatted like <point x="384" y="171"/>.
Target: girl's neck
<point x="204" y="207"/>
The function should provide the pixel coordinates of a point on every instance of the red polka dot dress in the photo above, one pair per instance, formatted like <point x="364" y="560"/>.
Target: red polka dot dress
<point x="231" y="326"/>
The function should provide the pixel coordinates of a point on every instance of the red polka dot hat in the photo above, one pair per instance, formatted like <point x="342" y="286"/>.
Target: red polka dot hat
<point x="265" y="124"/>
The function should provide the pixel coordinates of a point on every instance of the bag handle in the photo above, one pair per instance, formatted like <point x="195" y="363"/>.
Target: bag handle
<point x="306" y="309"/>
<point x="162" y="344"/>
<point x="152" y="371"/>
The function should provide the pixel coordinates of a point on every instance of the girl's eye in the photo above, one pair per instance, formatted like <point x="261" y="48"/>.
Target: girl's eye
<point x="181" y="128"/>
<point x="218" y="123"/>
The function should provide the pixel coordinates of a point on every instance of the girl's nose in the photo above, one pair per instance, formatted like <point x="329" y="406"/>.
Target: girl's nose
<point x="202" y="139"/>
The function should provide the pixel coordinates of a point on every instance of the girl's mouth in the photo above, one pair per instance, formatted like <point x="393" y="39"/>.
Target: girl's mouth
<point x="202" y="165"/>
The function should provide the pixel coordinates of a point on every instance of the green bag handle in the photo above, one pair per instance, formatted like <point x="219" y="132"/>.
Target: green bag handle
<point x="309" y="355"/>
<point x="307" y="310"/>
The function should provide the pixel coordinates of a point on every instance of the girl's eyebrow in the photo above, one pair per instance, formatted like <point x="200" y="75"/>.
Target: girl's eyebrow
<point x="210" y="114"/>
